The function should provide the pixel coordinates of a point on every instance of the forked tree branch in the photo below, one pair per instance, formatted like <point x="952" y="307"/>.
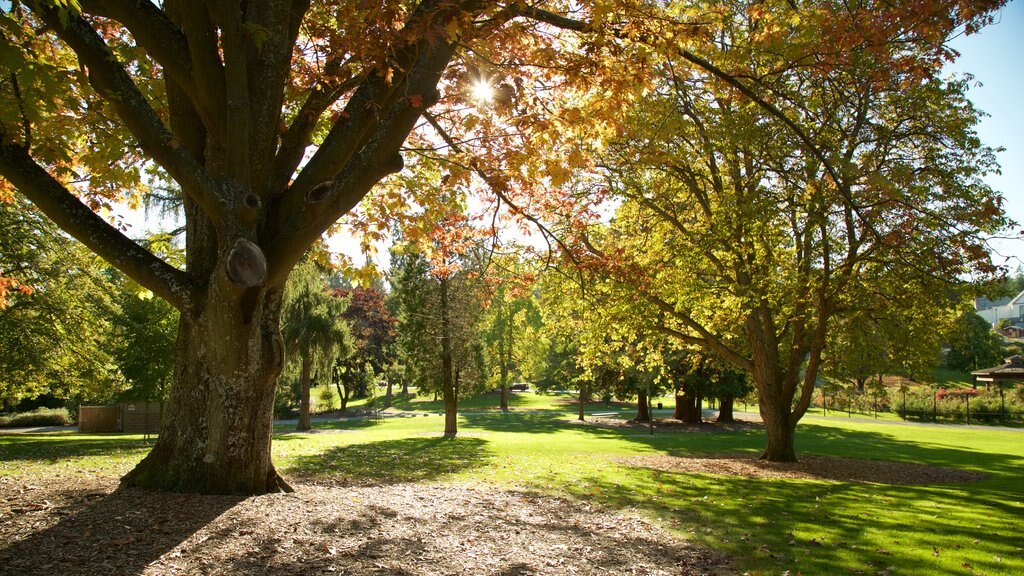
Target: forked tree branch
<point x="110" y="79"/>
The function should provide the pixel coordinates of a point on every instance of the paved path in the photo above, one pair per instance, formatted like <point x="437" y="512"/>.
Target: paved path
<point x="38" y="429"/>
<point x="709" y="416"/>
<point x="755" y="417"/>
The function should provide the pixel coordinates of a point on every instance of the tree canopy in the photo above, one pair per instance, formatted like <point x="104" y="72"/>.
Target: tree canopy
<point x="275" y="118"/>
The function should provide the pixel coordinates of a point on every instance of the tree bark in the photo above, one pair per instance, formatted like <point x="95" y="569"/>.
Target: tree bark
<point x="725" y="408"/>
<point x="448" y="392"/>
<point x="388" y="397"/>
<point x="584" y="394"/>
<point x="227" y="363"/>
<point x="304" y="377"/>
<point x="780" y="429"/>
<point x="688" y="408"/>
<point x="642" y="413"/>
<point x="503" y="359"/>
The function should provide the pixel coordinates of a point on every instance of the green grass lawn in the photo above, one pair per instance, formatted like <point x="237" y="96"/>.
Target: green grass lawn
<point x="769" y="526"/>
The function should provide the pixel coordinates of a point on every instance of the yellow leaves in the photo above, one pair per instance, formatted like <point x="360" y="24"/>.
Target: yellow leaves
<point x="6" y="191"/>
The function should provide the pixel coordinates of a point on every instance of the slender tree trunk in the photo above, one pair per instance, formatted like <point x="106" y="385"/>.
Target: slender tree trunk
<point x="725" y="407"/>
<point x="304" y="377"/>
<point x="387" y="397"/>
<point x="584" y="394"/>
<point x="343" y="392"/>
<point x="503" y="359"/>
<point x="227" y="362"/>
<point x="448" y="391"/>
<point x="405" y="387"/>
<point x="642" y="413"/>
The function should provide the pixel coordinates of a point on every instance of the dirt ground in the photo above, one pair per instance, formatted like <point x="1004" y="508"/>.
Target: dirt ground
<point x="810" y="467"/>
<point x="77" y="526"/>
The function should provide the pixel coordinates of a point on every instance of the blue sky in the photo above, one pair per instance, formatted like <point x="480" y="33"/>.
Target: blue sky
<point x="995" y="56"/>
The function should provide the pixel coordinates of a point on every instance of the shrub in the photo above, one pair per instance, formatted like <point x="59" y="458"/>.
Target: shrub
<point x="326" y="399"/>
<point x="952" y="405"/>
<point x="37" y="417"/>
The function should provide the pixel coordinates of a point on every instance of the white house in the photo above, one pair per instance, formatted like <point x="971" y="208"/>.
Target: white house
<point x="995" y="310"/>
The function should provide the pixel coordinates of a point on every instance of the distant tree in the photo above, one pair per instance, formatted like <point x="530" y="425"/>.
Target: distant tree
<point x="313" y="329"/>
<point x="55" y="313"/>
<point x="373" y="333"/>
<point x="511" y="329"/>
<point x="145" y="329"/>
<point x="973" y="344"/>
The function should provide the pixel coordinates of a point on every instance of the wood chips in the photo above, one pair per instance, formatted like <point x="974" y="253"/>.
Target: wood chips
<point x="85" y="526"/>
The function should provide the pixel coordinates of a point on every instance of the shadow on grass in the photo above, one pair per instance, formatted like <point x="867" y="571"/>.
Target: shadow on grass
<point x="392" y="461"/>
<point x="120" y="533"/>
<point x="828" y="527"/>
<point x="54" y="447"/>
<point x="487" y="402"/>
<point x="288" y="431"/>
<point x="704" y="438"/>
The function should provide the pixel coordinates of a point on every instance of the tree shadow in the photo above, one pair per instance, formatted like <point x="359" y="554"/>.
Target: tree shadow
<point x="54" y="447"/>
<point x="391" y="461"/>
<point x="288" y="431"/>
<point x="120" y="533"/>
<point x="819" y="526"/>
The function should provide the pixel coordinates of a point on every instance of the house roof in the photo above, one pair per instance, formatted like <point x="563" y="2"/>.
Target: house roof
<point x="986" y="304"/>
<point x="1012" y="370"/>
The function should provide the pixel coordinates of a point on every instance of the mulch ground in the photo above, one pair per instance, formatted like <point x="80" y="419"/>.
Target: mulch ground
<point x="86" y="526"/>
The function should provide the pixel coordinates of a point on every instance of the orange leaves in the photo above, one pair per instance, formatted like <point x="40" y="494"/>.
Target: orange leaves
<point x="9" y="285"/>
<point x="6" y="191"/>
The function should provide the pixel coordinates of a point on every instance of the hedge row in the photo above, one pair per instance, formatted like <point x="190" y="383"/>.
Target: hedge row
<point x="37" y="417"/>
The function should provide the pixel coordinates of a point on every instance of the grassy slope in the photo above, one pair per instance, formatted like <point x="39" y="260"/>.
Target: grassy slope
<point x="769" y="526"/>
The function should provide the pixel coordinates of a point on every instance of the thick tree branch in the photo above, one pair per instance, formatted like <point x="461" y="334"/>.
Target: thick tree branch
<point x="269" y="66"/>
<point x="156" y="34"/>
<point x="308" y="210"/>
<point x="176" y="287"/>
<point x="299" y="135"/>
<point x="207" y="69"/>
<point x="111" y="80"/>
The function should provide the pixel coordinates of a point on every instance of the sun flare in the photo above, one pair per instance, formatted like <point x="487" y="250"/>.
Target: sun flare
<point x="482" y="91"/>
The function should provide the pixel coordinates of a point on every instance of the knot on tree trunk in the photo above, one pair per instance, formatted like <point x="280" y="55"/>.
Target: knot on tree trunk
<point x="246" y="265"/>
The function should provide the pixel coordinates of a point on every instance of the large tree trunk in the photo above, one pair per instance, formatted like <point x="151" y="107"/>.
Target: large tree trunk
<point x="780" y="429"/>
<point x="643" y="414"/>
<point x="725" y="407"/>
<point x="304" y="377"/>
<point x="217" y="427"/>
<point x="688" y="408"/>
<point x="388" y="397"/>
